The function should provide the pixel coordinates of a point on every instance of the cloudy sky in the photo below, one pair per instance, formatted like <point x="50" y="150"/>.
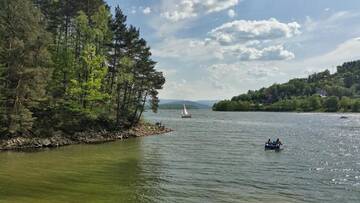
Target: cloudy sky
<point x="215" y="49"/>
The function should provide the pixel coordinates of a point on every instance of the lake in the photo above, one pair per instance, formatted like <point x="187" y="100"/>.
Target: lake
<point x="213" y="157"/>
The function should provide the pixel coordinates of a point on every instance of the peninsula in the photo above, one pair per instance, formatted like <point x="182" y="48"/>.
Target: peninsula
<point x="72" y="73"/>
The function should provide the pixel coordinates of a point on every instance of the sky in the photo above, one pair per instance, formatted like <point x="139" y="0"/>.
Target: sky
<point x="217" y="49"/>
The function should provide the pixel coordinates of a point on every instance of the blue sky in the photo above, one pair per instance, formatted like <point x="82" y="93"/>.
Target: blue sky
<point x="216" y="49"/>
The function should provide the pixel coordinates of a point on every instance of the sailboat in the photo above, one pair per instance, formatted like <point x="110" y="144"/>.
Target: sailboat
<point x="185" y="113"/>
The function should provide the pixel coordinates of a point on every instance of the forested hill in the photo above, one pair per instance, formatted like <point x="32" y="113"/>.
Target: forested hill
<point x="179" y="105"/>
<point x="318" y="92"/>
<point x="71" y="66"/>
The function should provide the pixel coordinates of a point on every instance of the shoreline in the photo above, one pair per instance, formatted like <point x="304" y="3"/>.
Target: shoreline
<point x="325" y="112"/>
<point x="59" y="140"/>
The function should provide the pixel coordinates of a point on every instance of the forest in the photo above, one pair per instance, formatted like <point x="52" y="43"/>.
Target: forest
<point x="319" y="92"/>
<point x="71" y="66"/>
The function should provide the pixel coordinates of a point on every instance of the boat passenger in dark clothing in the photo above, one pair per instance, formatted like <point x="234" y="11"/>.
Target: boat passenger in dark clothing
<point x="278" y="142"/>
<point x="268" y="142"/>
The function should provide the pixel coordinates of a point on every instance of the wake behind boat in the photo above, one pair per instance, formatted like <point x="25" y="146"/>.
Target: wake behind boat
<point x="185" y="113"/>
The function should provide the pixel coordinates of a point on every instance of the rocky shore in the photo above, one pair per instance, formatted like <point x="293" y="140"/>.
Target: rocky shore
<point x="57" y="140"/>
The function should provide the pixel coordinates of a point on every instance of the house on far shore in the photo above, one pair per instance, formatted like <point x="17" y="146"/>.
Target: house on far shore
<point x="321" y="92"/>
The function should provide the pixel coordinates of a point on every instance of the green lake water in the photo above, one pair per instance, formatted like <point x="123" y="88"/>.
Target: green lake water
<point x="213" y="157"/>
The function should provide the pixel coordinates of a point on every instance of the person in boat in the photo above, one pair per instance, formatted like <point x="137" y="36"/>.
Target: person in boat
<point x="268" y="142"/>
<point x="278" y="142"/>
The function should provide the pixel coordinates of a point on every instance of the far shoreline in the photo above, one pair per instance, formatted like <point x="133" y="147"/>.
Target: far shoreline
<point x="324" y="112"/>
<point x="305" y="112"/>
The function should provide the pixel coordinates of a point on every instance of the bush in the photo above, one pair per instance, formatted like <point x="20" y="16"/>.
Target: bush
<point x="331" y="104"/>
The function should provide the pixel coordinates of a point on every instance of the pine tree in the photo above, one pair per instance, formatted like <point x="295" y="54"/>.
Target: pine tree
<point x="24" y="57"/>
<point x="118" y="28"/>
<point x="101" y="70"/>
<point x="133" y="78"/>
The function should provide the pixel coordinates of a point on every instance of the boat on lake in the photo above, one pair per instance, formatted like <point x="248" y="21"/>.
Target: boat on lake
<point x="272" y="146"/>
<point x="275" y="145"/>
<point x="185" y="113"/>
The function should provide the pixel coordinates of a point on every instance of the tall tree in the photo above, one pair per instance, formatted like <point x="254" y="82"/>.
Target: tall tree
<point x="101" y="71"/>
<point x="120" y="65"/>
<point x="24" y="57"/>
<point x="89" y="90"/>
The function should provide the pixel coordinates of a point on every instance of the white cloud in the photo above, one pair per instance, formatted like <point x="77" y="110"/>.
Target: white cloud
<point x="254" y="40"/>
<point x="218" y="5"/>
<point x="231" y="13"/>
<point x="186" y="9"/>
<point x="341" y="15"/>
<point x="271" y="53"/>
<point x="194" y="90"/>
<point x="187" y="50"/>
<point x="146" y="10"/>
<point x="243" y="30"/>
<point x="263" y="72"/>
<point x="325" y="33"/>
<point x="223" y="80"/>
<point x="248" y="54"/>
<point x="238" y="77"/>
<point x="346" y="51"/>
<point x="333" y="20"/>
<point x="241" y="70"/>
<point x="219" y="75"/>
<point x="276" y="53"/>
<point x="194" y="50"/>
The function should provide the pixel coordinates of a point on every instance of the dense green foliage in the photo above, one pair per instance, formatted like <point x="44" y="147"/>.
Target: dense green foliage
<point x="69" y="66"/>
<point x="319" y="92"/>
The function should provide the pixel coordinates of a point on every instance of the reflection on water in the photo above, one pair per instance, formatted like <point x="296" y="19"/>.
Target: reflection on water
<point x="87" y="173"/>
<point x="214" y="157"/>
<point x="219" y="157"/>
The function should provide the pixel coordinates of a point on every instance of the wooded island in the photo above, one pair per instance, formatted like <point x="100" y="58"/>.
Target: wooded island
<point x="68" y="67"/>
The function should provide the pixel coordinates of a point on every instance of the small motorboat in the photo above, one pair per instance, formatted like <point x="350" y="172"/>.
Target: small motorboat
<point x="272" y="146"/>
<point x="344" y="117"/>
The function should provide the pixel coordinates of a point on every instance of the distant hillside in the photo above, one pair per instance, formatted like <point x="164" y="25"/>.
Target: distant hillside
<point x="207" y="102"/>
<point x="166" y="101"/>
<point x="179" y="105"/>
<point x="318" y="92"/>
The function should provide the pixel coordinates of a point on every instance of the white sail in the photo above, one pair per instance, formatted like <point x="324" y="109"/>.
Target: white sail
<point x="185" y="111"/>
